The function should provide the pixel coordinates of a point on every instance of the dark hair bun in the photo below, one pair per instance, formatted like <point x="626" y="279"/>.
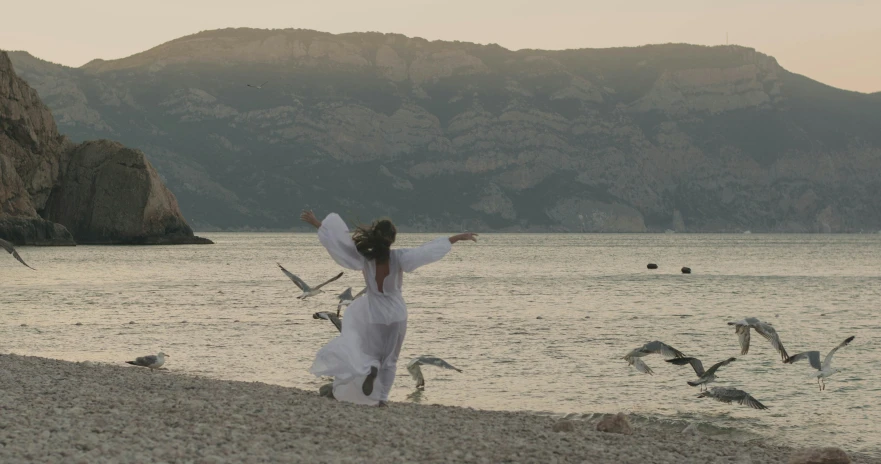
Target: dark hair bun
<point x="374" y="242"/>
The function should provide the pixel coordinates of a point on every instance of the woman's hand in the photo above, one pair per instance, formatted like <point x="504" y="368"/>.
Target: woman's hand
<point x="308" y="216"/>
<point x="465" y="236"/>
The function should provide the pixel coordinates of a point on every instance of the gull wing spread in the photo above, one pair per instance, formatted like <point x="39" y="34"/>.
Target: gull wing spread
<point x="11" y="250"/>
<point x="346" y="295"/>
<point x="640" y="365"/>
<point x="336" y="321"/>
<point x="812" y="356"/>
<point x="727" y="395"/>
<point x="416" y="372"/>
<point x="696" y="364"/>
<point x="827" y="363"/>
<point x="297" y="281"/>
<point x="662" y="348"/>
<point x="770" y="334"/>
<point x="328" y="281"/>
<point x="712" y="370"/>
<point x="742" y="332"/>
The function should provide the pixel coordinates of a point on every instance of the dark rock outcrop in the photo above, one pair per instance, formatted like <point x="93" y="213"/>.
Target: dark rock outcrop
<point x="53" y="192"/>
<point x="110" y="194"/>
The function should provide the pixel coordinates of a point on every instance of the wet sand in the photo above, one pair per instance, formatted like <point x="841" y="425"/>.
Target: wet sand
<point x="58" y="411"/>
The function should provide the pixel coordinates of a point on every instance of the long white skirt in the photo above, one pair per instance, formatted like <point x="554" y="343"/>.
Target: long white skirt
<point x="361" y="345"/>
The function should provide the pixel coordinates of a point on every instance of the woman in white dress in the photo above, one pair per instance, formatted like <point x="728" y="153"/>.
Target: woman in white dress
<point x="363" y="358"/>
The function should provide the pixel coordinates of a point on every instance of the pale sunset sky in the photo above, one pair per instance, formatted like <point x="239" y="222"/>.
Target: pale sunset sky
<point x="837" y="42"/>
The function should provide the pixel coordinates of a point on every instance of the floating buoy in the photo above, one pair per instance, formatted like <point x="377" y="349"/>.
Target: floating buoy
<point x="686" y="270"/>
<point x="652" y="266"/>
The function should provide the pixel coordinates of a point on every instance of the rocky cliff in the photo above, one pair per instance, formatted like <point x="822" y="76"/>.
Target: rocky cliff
<point x="450" y="135"/>
<point x="53" y="192"/>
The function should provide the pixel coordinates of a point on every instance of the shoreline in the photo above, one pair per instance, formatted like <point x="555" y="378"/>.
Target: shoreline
<point x="61" y="411"/>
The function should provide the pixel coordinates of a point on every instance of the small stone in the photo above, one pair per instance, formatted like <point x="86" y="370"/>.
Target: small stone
<point x="131" y="322"/>
<point x="652" y="266"/>
<point x="615" y="424"/>
<point x="79" y="323"/>
<point x="686" y="270"/>
<point x="539" y="317"/>
<point x="564" y="426"/>
<point x="830" y="455"/>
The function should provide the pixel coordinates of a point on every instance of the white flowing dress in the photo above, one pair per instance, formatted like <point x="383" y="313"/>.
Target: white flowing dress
<point x="376" y="323"/>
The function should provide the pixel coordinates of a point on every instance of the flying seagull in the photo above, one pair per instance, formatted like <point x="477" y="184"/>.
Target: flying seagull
<point x="151" y="361"/>
<point x="307" y="290"/>
<point x="823" y="370"/>
<point x="346" y="299"/>
<point x="258" y="86"/>
<point x="416" y="372"/>
<point x="11" y="250"/>
<point x="661" y="348"/>
<point x="741" y="328"/>
<point x="727" y="395"/>
<point x="333" y="318"/>
<point x="704" y="377"/>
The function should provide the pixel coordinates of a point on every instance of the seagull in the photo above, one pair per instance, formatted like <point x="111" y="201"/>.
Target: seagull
<point x="823" y="370"/>
<point x="416" y="372"/>
<point x="661" y="348"/>
<point x="727" y="395"/>
<point x="741" y="328"/>
<point x="704" y="377"/>
<point x="333" y="318"/>
<point x="258" y="86"/>
<point x="346" y="299"/>
<point x="11" y="250"/>
<point x="307" y="290"/>
<point x="151" y="361"/>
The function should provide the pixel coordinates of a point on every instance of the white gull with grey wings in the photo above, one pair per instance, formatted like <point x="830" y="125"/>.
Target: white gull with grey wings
<point x="152" y="361"/>
<point x="655" y="347"/>
<point x="416" y="371"/>
<point x="742" y="328"/>
<point x="307" y="290"/>
<point x="823" y="370"/>
<point x="703" y="377"/>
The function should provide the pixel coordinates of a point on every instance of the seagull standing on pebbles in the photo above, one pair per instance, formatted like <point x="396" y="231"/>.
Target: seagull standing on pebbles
<point x="633" y="358"/>
<point x="416" y="372"/>
<point x="307" y="290"/>
<point x="152" y="361"/>
<point x="704" y="377"/>
<point x="741" y="328"/>
<point x="823" y="370"/>
<point x="727" y="395"/>
<point x="11" y="250"/>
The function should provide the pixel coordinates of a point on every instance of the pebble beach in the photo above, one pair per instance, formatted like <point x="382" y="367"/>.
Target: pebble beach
<point x="55" y="411"/>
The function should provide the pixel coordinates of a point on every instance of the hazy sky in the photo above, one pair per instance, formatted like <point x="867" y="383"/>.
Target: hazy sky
<point x="837" y="42"/>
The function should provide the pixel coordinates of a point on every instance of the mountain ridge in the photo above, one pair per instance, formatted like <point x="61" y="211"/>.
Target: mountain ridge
<point x="627" y="139"/>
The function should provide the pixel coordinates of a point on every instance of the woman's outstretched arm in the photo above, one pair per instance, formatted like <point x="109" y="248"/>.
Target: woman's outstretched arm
<point x="465" y="236"/>
<point x="413" y="258"/>
<point x="334" y="235"/>
<point x="309" y="217"/>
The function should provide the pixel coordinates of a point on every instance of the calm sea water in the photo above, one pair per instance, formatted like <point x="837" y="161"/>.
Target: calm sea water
<point x="537" y="322"/>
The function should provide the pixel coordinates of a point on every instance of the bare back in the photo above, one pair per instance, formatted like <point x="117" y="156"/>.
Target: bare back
<point x="382" y="271"/>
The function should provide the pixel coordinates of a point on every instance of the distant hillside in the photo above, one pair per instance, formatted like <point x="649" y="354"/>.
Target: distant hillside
<point x="451" y="135"/>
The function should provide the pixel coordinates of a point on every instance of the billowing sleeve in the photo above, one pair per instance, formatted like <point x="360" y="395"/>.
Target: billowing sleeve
<point x="334" y="236"/>
<point x="412" y="258"/>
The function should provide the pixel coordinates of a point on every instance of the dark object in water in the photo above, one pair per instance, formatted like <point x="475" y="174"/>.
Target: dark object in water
<point x="652" y="266"/>
<point x="686" y="270"/>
